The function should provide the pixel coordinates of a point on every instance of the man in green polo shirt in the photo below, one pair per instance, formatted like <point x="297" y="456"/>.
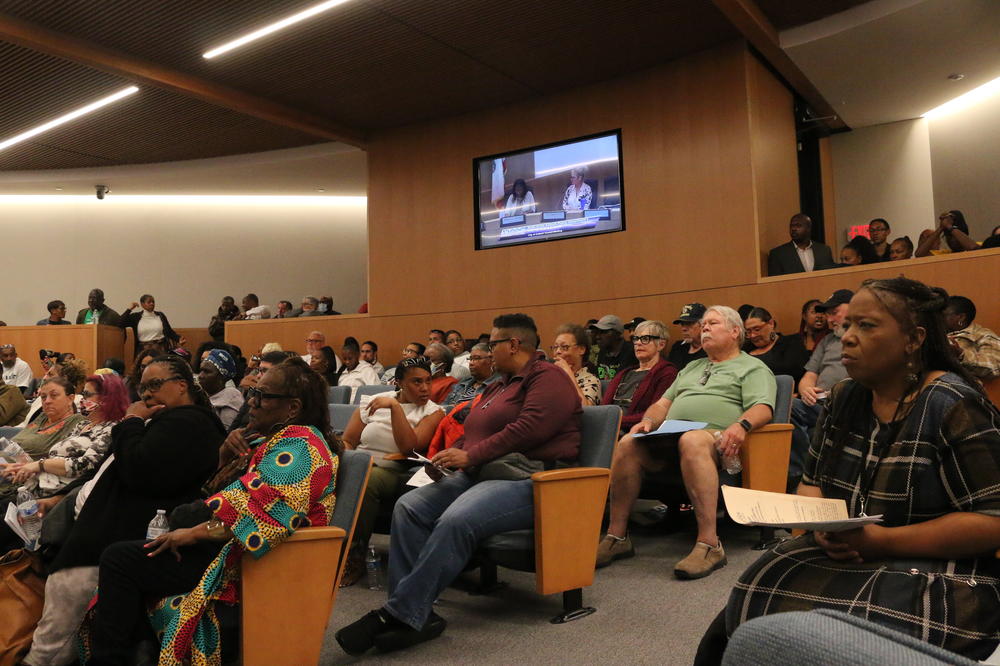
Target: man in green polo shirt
<point x="733" y="393"/>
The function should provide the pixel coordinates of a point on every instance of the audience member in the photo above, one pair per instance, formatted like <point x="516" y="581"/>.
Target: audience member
<point x="783" y="354"/>
<point x="977" y="347"/>
<point x="58" y="421"/>
<point x="144" y="358"/>
<point x="993" y="240"/>
<point x="267" y="361"/>
<point x="324" y="363"/>
<point x="308" y="308"/>
<point x="315" y="341"/>
<point x="744" y="311"/>
<point x="910" y="438"/>
<point x="355" y="372"/>
<point x="878" y="234"/>
<point x="391" y="423"/>
<point x="114" y="364"/>
<point x="82" y="447"/>
<point x="16" y="371"/>
<point x="13" y="408"/>
<point x="456" y="343"/>
<point x="284" y="310"/>
<point x="953" y="229"/>
<point x="579" y="195"/>
<point x="213" y="374"/>
<point x="520" y="202"/>
<point x="435" y="335"/>
<point x="57" y="314"/>
<point x="200" y="559"/>
<point x="369" y="353"/>
<point x="802" y="254"/>
<point x="901" y="248"/>
<point x="227" y="312"/>
<point x="150" y="326"/>
<point x="630" y="327"/>
<point x="325" y="306"/>
<point x="812" y="327"/>
<point x="482" y="375"/>
<point x="822" y="371"/>
<point x="859" y="250"/>
<point x="74" y="371"/>
<point x="97" y="312"/>
<point x="252" y="309"/>
<point x="730" y="391"/>
<point x="613" y="354"/>
<point x="688" y="348"/>
<point x="568" y="350"/>
<point x="441" y="366"/>
<point x="637" y="387"/>
<point x="411" y="350"/>
<point x="532" y="411"/>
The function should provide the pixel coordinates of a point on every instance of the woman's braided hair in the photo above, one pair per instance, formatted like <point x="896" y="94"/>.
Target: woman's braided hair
<point x="180" y="367"/>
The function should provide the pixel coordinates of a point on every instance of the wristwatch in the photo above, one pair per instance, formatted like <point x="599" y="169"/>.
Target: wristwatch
<point x="746" y="425"/>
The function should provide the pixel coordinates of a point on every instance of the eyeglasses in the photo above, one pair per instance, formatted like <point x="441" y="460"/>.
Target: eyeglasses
<point x="493" y="343"/>
<point x="480" y="358"/>
<point x="560" y="348"/>
<point x="644" y="339"/>
<point x="85" y="394"/>
<point x="154" y="385"/>
<point x="313" y="340"/>
<point x="254" y="394"/>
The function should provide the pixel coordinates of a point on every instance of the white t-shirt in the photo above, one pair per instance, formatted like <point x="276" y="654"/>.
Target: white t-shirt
<point x="462" y="360"/>
<point x="376" y="438"/>
<point x="150" y="327"/>
<point x="18" y="374"/>
<point x="363" y="374"/>
<point x="259" y="312"/>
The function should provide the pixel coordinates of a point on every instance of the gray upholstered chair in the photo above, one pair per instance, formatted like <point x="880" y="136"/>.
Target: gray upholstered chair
<point x="339" y="395"/>
<point x="340" y="415"/>
<point x="370" y="389"/>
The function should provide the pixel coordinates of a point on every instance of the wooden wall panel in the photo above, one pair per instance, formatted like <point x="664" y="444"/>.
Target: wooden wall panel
<point x="971" y="274"/>
<point x="85" y="341"/>
<point x="688" y="186"/>
<point x="829" y="194"/>
<point x="774" y="157"/>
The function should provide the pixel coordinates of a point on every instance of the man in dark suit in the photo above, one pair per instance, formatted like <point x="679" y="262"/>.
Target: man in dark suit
<point x="105" y="315"/>
<point x="802" y="254"/>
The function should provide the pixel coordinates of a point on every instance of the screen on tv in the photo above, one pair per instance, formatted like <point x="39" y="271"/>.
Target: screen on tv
<point x="561" y="190"/>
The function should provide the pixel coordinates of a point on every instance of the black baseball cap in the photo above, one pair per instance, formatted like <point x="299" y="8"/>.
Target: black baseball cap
<point x="838" y="297"/>
<point x="690" y="313"/>
<point x="630" y="325"/>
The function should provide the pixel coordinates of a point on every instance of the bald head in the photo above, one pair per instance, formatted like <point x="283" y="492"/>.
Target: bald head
<point x="799" y="228"/>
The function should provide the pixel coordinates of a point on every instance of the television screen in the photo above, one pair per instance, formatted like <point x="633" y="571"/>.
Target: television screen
<point x="560" y="190"/>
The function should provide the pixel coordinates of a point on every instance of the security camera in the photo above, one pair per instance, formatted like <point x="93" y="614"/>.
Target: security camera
<point x="102" y="190"/>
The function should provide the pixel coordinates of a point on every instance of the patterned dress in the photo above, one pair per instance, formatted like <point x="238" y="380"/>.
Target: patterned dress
<point x="289" y="484"/>
<point x="940" y="458"/>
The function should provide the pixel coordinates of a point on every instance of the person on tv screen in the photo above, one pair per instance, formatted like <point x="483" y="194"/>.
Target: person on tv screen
<point x="578" y="195"/>
<point x="520" y="201"/>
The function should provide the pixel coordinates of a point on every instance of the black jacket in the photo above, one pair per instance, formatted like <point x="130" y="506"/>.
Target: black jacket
<point x="131" y="320"/>
<point x="784" y="259"/>
<point x="157" y="465"/>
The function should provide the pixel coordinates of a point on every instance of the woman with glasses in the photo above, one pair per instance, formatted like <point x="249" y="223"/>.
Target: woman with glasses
<point x="783" y="354"/>
<point x="161" y="453"/>
<point x="634" y="389"/>
<point x="568" y="350"/>
<point x="274" y="477"/>
<point x="411" y="350"/>
<point x="388" y="425"/>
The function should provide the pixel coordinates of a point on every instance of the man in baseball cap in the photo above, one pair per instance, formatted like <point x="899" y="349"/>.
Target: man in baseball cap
<point x="614" y="353"/>
<point x="630" y="326"/>
<point x="837" y="298"/>
<point x="688" y="348"/>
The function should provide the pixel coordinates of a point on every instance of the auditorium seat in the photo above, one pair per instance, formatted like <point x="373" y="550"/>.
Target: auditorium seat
<point x="9" y="431"/>
<point x="339" y="395"/>
<point x="287" y="596"/>
<point x="370" y="389"/>
<point x="569" y="506"/>
<point x="340" y="415"/>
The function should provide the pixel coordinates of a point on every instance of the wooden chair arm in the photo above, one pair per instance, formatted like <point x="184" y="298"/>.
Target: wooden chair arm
<point x="569" y="473"/>
<point x="394" y="456"/>
<point x="765" y="457"/>
<point x="313" y="533"/>
<point x="775" y="427"/>
<point x="568" y="526"/>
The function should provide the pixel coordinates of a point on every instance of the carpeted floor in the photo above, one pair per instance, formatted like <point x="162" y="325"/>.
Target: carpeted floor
<point x="644" y="615"/>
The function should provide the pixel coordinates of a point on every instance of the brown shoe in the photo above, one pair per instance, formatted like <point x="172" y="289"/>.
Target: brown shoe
<point x="611" y="549"/>
<point x="353" y="570"/>
<point x="702" y="560"/>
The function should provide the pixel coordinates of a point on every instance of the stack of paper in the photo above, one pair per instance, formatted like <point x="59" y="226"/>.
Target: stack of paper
<point x="759" y="508"/>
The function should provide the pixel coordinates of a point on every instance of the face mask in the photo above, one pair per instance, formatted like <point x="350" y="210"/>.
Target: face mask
<point x="88" y="407"/>
<point x="321" y="307"/>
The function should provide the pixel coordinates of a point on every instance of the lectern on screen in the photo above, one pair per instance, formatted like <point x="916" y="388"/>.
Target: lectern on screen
<point x="559" y="190"/>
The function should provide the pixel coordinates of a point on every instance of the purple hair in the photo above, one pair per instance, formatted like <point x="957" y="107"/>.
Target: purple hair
<point x="114" y="395"/>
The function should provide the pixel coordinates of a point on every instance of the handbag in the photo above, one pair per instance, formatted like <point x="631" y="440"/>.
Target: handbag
<point x="22" y="596"/>
<point x="510" y="467"/>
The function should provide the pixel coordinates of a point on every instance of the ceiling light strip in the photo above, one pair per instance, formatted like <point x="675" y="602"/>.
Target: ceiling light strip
<point x="274" y="27"/>
<point x="974" y="96"/>
<point x="62" y="120"/>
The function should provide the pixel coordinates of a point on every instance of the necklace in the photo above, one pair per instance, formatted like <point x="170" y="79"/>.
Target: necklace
<point x="879" y="444"/>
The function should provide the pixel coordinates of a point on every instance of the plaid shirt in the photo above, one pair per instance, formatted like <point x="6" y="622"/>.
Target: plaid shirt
<point x="980" y="350"/>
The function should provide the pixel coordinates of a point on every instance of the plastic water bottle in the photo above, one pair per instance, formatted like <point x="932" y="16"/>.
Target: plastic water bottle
<point x="373" y="566"/>
<point x="732" y="464"/>
<point x="12" y="451"/>
<point x="158" y="526"/>
<point x="31" y="522"/>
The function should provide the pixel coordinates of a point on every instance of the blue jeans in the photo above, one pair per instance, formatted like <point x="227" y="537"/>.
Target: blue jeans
<point x="435" y="530"/>
<point x="804" y="419"/>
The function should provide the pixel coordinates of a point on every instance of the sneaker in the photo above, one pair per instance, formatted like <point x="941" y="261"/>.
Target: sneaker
<point x="406" y="636"/>
<point x="359" y="637"/>
<point x="702" y="560"/>
<point x="611" y="549"/>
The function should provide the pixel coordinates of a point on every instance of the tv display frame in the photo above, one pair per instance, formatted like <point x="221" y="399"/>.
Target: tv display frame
<point x="589" y="222"/>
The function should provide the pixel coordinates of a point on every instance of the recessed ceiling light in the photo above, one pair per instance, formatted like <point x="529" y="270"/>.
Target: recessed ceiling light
<point x="274" y="27"/>
<point x="321" y="189"/>
<point x="970" y="98"/>
<point x="72" y="115"/>
<point x="59" y="189"/>
<point x="956" y="77"/>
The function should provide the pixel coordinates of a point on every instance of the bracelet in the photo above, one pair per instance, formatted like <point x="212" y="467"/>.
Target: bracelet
<point x="41" y="466"/>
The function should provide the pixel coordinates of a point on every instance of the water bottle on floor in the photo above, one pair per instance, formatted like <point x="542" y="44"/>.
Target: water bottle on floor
<point x="373" y="565"/>
<point x="31" y="522"/>
<point x="158" y="526"/>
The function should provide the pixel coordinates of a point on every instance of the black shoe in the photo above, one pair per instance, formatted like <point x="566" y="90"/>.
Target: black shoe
<point x="359" y="637"/>
<point x="398" y="639"/>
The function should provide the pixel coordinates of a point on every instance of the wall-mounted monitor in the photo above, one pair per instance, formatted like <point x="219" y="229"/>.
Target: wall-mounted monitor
<point x="559" y="190"/>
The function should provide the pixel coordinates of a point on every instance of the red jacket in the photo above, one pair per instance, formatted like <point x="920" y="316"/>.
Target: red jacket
<point x="650" y="389"/>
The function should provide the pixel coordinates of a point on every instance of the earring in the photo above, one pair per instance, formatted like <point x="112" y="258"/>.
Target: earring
<point x="911" y="372"/>
<point x="774" y="336"/>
